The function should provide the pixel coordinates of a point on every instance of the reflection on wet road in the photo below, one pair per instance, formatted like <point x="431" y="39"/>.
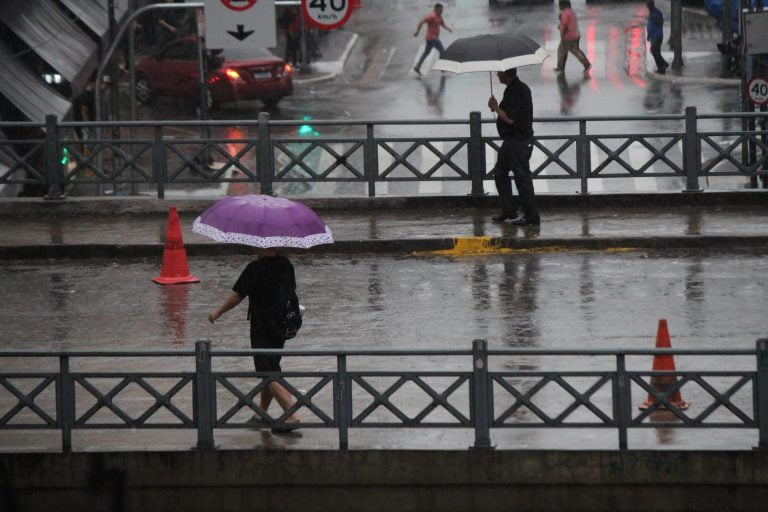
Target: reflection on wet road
<point x="530" y="300"/>
<point x="574" y="300"/>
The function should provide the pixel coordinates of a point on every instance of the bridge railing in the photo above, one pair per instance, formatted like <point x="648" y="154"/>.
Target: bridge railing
<point x="483" y="390"/>
<point x="154" y="156"/>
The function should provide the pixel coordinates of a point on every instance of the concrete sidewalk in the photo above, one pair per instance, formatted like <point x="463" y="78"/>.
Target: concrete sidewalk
<point x="91" y="227"/>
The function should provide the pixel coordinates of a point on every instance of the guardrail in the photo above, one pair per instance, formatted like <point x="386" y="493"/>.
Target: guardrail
<point x="473" y="389"/>
<point x="153" y="155"/>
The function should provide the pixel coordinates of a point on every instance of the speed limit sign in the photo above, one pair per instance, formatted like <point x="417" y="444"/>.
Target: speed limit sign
<point x="757" y="90"/>
<point x="326" y="14"/>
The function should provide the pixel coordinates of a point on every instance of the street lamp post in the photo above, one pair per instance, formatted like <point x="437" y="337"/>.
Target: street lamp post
<point x="676" y="36"/>
<point x="727" y="32"/>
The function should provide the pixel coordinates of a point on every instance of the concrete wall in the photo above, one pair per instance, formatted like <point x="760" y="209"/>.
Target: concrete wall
<point x="317" y="481"/>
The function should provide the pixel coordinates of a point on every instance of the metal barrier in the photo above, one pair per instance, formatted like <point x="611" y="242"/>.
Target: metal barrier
<point x="469" y="392"/>
<point x="153" y="155"/>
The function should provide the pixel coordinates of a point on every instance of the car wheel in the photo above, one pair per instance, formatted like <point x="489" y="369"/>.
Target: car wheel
<point x="270" y="102"/>
<point x="144" y="92"/>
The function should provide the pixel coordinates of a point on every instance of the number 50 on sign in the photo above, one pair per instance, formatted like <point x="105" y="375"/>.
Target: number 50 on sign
<point x="757" y="90"/>
<point x="326" y="14"/>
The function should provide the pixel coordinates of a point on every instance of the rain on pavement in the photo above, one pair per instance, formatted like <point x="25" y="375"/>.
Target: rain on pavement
<point x="378" y="82"/>
<point x="567" y="299"/>
<point x="564" y="299"/>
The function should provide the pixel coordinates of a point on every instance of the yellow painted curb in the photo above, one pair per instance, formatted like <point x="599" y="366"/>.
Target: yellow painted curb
<point x="485" y="245"/>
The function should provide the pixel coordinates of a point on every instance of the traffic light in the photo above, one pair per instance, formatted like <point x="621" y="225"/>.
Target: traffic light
<point x="306" y="130"/>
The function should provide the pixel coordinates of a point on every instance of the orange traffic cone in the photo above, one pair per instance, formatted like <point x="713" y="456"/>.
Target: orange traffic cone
<point x="175" y="268"/>
<point x="664" y="363"/>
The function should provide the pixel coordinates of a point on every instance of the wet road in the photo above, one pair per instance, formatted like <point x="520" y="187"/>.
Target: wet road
<point x="378" y="81"/>
<point x="569" y="299"/>
<point x="538" y="300"/>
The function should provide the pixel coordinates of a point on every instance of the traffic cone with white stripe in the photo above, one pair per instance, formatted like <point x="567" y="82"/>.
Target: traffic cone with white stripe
<point x="662" y="383"/>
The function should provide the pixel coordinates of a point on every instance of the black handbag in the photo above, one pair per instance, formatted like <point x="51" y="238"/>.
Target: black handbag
<point x="292" y="319"/>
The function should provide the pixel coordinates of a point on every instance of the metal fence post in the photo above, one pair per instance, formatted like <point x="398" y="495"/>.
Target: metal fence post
<point x="371" y="163"/>
<point x="476" y="154"/>
<point x="691" y="152"/>
<point x="266" y="162"/>
<point x="52" y="158"/>
<point x="159" y="164"/>
<point x="583" y="157"/>
<point x="65" y="405"/>
<point x="761" y="392"/>
<point x="204" y="394"/>
<point x="621" y="400"/>
<point x="343" y="401"/>
<point x="482" y="400"/>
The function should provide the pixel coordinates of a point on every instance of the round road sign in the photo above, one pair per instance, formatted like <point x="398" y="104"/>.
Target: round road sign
<point x="326" y="14"/>
<point x="239" y="5"/>
<point x="757" y="90"/>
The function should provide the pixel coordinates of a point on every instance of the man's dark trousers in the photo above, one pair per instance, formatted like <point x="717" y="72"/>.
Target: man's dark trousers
<point x="661" y="63"/>
<point x="514" y="155"/>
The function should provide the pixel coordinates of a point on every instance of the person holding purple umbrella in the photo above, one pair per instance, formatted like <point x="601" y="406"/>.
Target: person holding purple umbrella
<point x="268" y="282"/>
<point x="266" y="223"/>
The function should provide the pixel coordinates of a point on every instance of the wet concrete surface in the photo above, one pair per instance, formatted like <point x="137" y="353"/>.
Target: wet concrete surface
<point x="561" y="296"/>
<point x="567" y="299"/>
<point x="713" y="298"/>
<point x="572" y="300"/>
<point x="561" y="223"/>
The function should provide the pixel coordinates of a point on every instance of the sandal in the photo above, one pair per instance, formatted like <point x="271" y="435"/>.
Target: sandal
<point x="285" y="428"/>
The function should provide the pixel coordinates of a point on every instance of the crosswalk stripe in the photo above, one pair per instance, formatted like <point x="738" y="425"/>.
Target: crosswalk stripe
<point x="428" y="160"/>
<point x="385" y="160"/>
<point x="537" y="158"/>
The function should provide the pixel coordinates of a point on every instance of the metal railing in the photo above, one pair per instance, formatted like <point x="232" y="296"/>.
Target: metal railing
<point x="467" y="392"/>
<point x="152" y="155"/>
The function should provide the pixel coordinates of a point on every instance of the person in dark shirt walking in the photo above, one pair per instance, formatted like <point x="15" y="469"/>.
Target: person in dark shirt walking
<point x="267" y="282"/>
<point x="291" y="24"/>
<point x="655" y="30"/>
<point x="515" y="126"/>
<point x="168" y="27"/>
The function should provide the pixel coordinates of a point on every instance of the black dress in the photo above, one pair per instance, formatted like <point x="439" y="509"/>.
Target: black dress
<point x="268" y="282"/>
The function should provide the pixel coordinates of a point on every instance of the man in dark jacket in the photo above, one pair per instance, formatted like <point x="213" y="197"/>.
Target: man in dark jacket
<point x="655" y="30"/>
<point x="515" y="126"/>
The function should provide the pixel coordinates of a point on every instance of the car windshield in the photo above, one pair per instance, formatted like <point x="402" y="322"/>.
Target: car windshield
<point x="242" y="53"/>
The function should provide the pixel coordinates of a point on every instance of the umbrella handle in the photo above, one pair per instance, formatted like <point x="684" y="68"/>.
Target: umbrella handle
<point x="490" y="79"/>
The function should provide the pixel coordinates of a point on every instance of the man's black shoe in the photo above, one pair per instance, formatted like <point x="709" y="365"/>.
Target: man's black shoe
<point x="503" y="217"/>
<point x="524" y="221"/>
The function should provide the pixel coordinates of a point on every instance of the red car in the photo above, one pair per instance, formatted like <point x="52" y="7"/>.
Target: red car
<point x="233" y="74"/>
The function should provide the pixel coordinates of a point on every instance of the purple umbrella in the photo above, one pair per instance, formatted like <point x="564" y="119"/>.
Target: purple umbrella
<point x="262" y="221"/>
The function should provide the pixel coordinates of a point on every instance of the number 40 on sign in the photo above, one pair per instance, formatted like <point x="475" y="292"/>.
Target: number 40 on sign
<point x="327" y="14"/>
<point x="757" y="90"/>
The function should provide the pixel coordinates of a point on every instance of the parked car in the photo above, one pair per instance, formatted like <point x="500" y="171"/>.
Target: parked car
<point x="232" y="75"/>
